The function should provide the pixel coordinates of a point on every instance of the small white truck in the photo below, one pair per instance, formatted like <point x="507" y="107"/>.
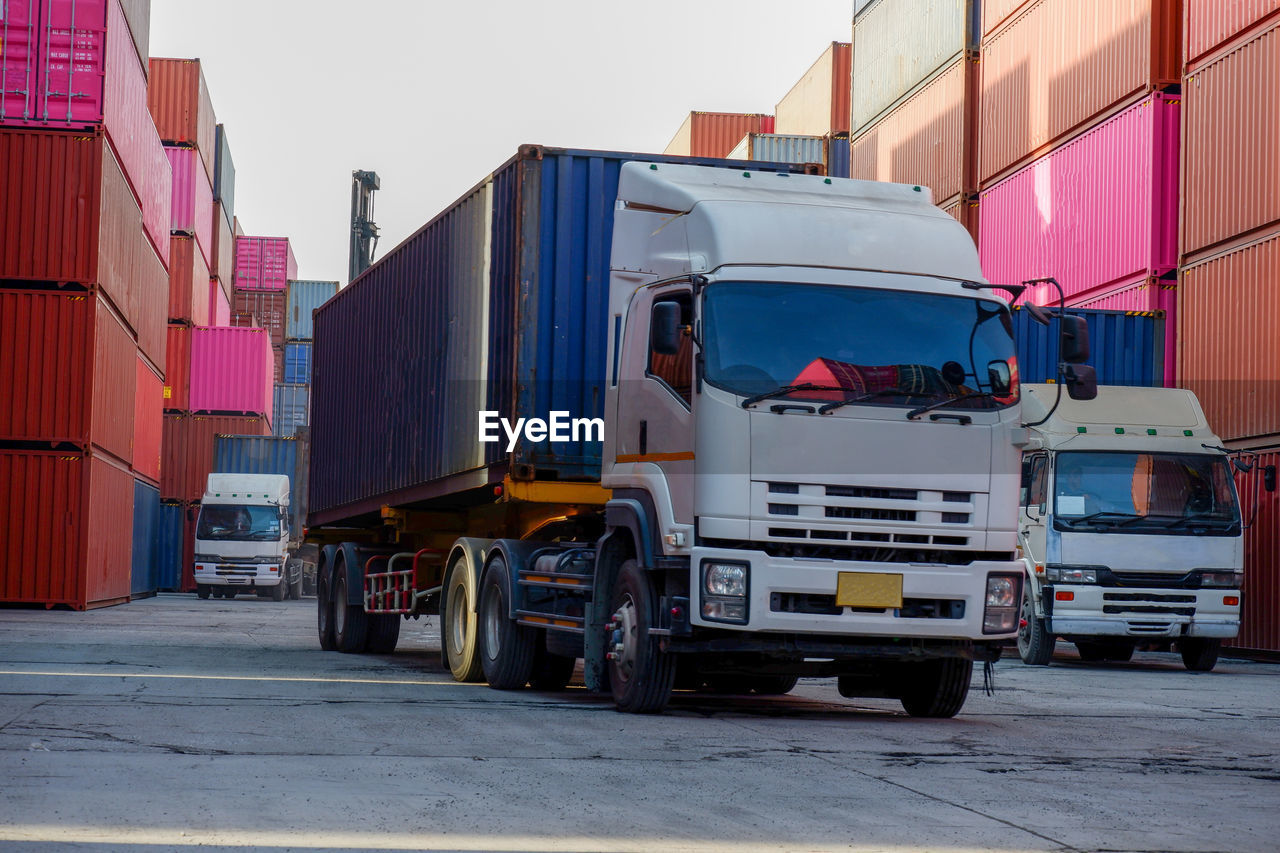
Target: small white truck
<point x="242" y="538"/>
<point x="1130" y="527"/>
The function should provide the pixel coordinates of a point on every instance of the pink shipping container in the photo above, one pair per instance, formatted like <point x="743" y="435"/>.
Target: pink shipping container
<point x="264" y="263"/>
<point x="1207" y="24"/>
<point x="192" y="199"/>
<point x="219" y="305"/>
<point x="109" y="89"/>
<point x="1094" y="214"/>
<point x="232" y="371"/>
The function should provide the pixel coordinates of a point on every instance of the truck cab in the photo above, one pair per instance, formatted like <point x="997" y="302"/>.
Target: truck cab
<point x="242" y="537"/>
<point x="1130" y="527"/>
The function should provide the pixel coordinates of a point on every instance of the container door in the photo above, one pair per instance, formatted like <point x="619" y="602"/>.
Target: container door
<point x="73" y="39"/>
<point x="19" y="49"/>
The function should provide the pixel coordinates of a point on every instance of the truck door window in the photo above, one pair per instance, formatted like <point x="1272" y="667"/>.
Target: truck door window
<point x="1035" y="482"/>
<point x="676" y="371"/>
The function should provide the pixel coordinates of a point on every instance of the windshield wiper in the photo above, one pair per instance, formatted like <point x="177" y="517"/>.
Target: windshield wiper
<point x="915" y="413"/>
<point x="1124" y="518"/>
<point x="1200" y="517"/>
<point x="788" y="389"/>
<point x="884" y="392"/>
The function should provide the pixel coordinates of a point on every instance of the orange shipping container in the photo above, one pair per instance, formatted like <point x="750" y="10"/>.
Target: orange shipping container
<point x="927" y="140"/>
<point x="188" y="282"/>
<point x="1061" y="65"/>
<point x="819" y="103"/>
<point x="1207" y="24"/>
<point x="177" y="369"/>
<point x="715" y="134"/>
<point x="1228" y="350"/>
<point x="148" y="421"/>
<point x="181" y="108"/>
<point x="187" y="450"/>
<point x="69" y="517"/>
<point x="1231" y="143"/>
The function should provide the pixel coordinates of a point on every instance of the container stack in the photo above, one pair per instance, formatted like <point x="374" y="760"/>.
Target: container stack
<point x="706" y="134"/>
<point x="914" y="105"/>
<point x="1230" y="242"/>
<point x="292" y="396"/>
<point x="222" y="267"/>
<point x="826" y="151"/>
<point x="818" y="105"/>
<point x="84" y="229"/>
<point x="260" y="295"/>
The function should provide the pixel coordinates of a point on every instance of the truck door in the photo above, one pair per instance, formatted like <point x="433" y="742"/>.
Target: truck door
<point x="1035" y="506"/>
<point x="655" y="403"/>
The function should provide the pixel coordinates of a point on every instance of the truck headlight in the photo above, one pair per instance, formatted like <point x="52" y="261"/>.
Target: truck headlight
<point x="1222" y="579"/>
<point x="1003" y="604"/>
<point x="1071" y="574"/>
<point x="724" y="592"/>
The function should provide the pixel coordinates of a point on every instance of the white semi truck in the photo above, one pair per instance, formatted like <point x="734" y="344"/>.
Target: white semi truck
<point x="810" y="422"/>
<point x="242" y="538"/>
<point x="1130" y="527"/>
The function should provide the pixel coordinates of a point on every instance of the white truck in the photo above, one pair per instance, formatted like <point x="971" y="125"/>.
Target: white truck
<point x="242" y="538"/>
<point x="1130" y="527"/>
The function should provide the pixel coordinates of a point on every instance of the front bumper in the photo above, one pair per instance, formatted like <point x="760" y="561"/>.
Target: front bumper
<point x="264" y="575"/>
<point x="775" y="582"/>
<point x="1097" y="611"/>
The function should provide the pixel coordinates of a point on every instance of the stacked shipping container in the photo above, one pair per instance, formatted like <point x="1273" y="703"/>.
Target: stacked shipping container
<point x="83" y="252"/>
<point x="292" y="393"/>
<point x="714" y="134"/>
<point x="264" y="266"/>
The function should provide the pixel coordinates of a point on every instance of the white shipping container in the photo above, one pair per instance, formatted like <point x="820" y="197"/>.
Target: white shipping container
<point x="781" y="148"/>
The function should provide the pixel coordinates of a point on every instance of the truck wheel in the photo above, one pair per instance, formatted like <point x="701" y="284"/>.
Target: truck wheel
<point x="936" y="688"/>
<point x="1035" y="643"/>
<point x="324" y="610"/>
<point x="550" y="671"/>
<point x="640" y="673"/>
<point x="293" y="571"/>
<point x="202" y="590"/>
<point x="506" y="647"/>
<point x="280" y="590"/>
<point x="350" y="622"/>
<point x="458" y="628"/>
<point x="1200" y="654"/>
<point x="384" y="633"/>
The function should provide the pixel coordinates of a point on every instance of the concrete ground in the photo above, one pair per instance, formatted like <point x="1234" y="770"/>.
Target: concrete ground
<point x="173" y="722"/>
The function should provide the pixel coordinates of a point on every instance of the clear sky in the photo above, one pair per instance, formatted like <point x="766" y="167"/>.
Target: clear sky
<point x="435" y="94"/>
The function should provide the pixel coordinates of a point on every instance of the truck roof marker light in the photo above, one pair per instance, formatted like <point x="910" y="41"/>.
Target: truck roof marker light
<point x="915" y="189"/>
<point x="1119" y="430"/>
<point x="746" y="174"/>
<point x="826" y="180"/>
<point x="1150" y="431"/>
<point x="1187" y="432"/>
<point x="653" y="167"/>
<point x="1081" y="430"/>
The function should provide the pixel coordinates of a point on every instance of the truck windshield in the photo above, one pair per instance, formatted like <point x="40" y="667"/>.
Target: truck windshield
<point x="1145" y="492"/>
<point x="240" y="523"/>
<point x="894" y="347"/>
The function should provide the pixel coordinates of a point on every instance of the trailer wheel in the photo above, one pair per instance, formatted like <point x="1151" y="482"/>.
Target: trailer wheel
<point x="1200" y="654"/>
<point x="936" y="688"/>
<point x="324" y="608"/>
<point x="641" y="674"/>
<point x="350" y="622"/>
<point x="202" y="590"/>
<point x="506" y="647"/>
<point x="458" y="628"/>
<point x="550" y="671"/>
<point x="384" y="633"/>
<point x="1035" y="643"/>
<point x="293" y="571"/>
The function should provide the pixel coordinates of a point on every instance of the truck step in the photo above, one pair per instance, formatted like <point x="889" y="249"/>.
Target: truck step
<point x="556" y="580"/>
<point x="557" y="622"/>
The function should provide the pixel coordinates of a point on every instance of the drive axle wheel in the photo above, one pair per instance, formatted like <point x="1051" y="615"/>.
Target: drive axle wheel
<point x="1035" y="643"/>
<point x="324" y="607"/>
<point x="641" y="674"/>
<point x="458" y="628"/>
<point x="506" y="647"/>
<point x="350" y="622"/>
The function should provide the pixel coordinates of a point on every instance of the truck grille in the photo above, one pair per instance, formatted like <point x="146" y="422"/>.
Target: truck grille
<point x="1148" y="604"/>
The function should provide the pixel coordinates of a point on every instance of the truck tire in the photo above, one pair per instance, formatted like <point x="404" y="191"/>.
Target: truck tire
<point x="506" y="647"/>
<point x="458" y="628"/>
<point x="324" y="609"/>
<point x="202" y="590"/>
<point x="641" y="674"/>
<point x="936" y="688"/>
<point x="350" y="622"/>
<point x="384" y="633"/>
<point x="293" y="571"/>
<point x="1035" y="643"/>
<point x="1200" y="654"/>
<point x="281" y="590"/>
<point x="550" y="671"/>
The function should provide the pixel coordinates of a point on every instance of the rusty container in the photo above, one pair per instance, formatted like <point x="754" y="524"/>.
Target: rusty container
<point x="187" y="450"/>
<point x="1260" y="609"/>
<point x="714" y="134"/>
<point x="178" y="98"/>
<point x="188" y="282"/>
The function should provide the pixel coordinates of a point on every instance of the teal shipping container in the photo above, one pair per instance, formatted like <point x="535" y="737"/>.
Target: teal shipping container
<point x="305" y="297"/>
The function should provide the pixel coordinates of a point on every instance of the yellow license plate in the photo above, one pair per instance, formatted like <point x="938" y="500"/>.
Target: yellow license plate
<point x="869" y="589"/>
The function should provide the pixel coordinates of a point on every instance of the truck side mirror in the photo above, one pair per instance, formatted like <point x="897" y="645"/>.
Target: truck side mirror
<point x="1000" y="377"/>
<point x="664" y="331"/>
<point x="1075" y="340"/>
<point x="1269" y="478"/>
<point x="1082" y="382"/>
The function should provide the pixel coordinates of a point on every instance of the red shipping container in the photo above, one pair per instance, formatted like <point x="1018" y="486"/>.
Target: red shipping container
<point x="69" y="216"/>
<point x="70" y="522"/>
<point x="261" y="309"/>
<point x="192" y="200"/>
<point x="219" y="307"/>
<point x="818" y="104"/>
<point x="231" y="370"/>
<point x="223" y="265"/>
<point x="1228" y="350"/>
<point x="264" y="263"/>
<point x="180" y="105"/>
<point x="67" y="371"/>
<point x="177" y="369"/>
<point x="713" y="134"/>
<point x="148" y="422"/>
<point x="1060" y="65"/>
<point x="108" y="84"/>
<point x="188" y="283"/>
<point x="1231" y="142"/>
<point x="1260" y="609"/>
<point x="1207" y="24"/>
<point x="187" y="452"/>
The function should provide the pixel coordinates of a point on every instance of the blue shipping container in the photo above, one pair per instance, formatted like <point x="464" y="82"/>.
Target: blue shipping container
<point x="297" y="362"/>
<point x="146" y="518"/>
<point x="305" y="297"/>
<point x="290" y="409"/>
<point x="268" y="454"/>
<point x="1126" y="348"/>
<point x="170" y="531"/>
<point x="838" y="155"/>
<point x="399" y="372"/>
